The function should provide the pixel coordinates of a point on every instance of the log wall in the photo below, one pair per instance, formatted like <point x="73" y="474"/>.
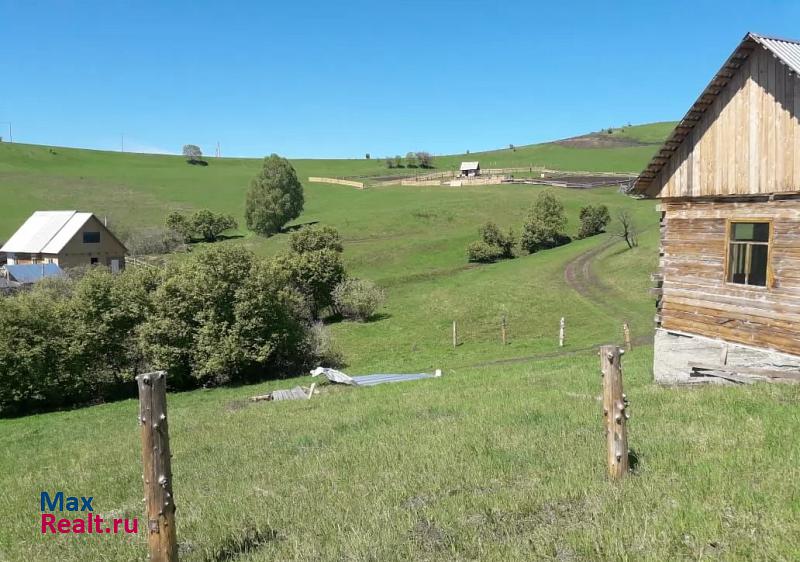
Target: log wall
<point x="695" y="297"/>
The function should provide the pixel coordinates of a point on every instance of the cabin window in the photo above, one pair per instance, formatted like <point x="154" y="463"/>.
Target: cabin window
<point x="748" y="253"/>
<point x="91" y="237"/>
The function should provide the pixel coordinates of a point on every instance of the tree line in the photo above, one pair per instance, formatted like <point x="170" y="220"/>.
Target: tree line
<point x="544" y="227"/>
<point x="412" y="160"/>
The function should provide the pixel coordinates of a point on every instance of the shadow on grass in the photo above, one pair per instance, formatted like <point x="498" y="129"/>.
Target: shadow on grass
<point x="633" y="461"/>
<point x="295" y="227"/>
<point x="248" y="541"/>
<point x="338" y="319"/>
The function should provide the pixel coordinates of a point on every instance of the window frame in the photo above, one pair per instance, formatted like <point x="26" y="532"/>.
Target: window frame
<point x="770" y="278"/>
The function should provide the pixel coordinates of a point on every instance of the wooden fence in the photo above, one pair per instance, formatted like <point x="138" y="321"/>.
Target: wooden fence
<point x="358" y="184"/>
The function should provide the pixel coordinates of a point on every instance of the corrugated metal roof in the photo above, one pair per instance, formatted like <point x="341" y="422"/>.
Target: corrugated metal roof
<point x="466" y="166"/>
<point x="46" y="232"/>
<point x="31" y="273"/>
<point x="786" y="50"/>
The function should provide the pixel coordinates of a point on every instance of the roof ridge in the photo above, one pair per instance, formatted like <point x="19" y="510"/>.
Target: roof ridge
<point x="773" y="38"/>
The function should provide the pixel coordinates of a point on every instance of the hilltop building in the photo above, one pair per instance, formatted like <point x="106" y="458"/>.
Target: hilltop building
<point x="66" y="239"/>
<point x="470" y="169"/>
<point x="729" y="182"/>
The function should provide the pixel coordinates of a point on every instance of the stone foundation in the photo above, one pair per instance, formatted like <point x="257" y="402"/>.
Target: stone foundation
<point x="673" y="351"/>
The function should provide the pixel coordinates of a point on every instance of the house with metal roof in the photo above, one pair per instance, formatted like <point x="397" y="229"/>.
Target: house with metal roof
<point x="66" y="239"/>
<point x="470" y="169"/>
<point x="728" y="177"/>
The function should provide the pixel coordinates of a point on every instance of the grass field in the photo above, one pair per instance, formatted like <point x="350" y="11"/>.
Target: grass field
<point x="500" y="459"/>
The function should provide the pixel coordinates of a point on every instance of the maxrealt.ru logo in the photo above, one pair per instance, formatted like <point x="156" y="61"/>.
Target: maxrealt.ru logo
<point x="87" y="522"/>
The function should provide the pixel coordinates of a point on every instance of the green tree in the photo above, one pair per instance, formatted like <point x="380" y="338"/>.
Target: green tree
<point x="192" y="153"/>
<point x="425" y="159"/>
<point x="177" y="222"/>
<point x="275" y="197"/>
<point x="411" y="160"/>
<point x="593" y="220"/>
<point x="545" y="223"/>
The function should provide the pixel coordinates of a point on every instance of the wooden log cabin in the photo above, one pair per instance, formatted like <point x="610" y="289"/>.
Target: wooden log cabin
<point x="728" y="178"/>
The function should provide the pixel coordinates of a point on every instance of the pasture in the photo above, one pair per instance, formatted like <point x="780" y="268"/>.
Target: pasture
<point x="502" y="458"/>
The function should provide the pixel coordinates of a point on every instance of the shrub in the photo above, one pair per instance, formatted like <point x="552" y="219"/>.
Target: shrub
<point x="203" y="224"/>
<point x="544" y="225"/>
<point x="223" y="317"/>
<point x="494" y="237"/>
<point x="208" y="225"/>
<point x="151" y="241"/>
<point x="313" y="274"/>
<point x="313" y="238"/>
<point x="357" y="299"/>
<point x="177" y="222"/>
<point x="322" y="348"/>
<point x="481" y="252"/>
<point x="275" y="197"/>
<point x="593" y="220"/>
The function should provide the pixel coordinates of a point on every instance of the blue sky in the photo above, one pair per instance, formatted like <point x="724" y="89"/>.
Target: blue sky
<point x="339" y="79"/>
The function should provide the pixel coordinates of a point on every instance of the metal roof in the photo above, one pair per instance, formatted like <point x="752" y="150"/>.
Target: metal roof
<point x="32" y="272"/>
<point x="785" y="50"/>
<point x="466" y="166"/>
<point x="46" y="232"/>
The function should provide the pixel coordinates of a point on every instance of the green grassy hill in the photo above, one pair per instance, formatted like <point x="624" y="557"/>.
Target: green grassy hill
<point x="500" y="459"/>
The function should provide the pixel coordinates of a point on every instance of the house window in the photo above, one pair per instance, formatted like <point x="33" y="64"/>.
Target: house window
<point x="91" y="237"/>
<point x="748" y="252"/>
<point x="94" y="261"/>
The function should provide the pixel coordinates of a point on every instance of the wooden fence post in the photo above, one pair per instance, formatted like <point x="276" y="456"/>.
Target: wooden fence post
<point x="626" y="331"/>
<point x="455" y="334"/>
<point x="160" y="504"/>
<point x="503" y="329"/>
<point x="561" y="333"/>
<point x="615" y="413"/>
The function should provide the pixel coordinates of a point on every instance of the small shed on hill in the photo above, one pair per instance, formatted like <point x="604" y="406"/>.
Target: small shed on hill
<point x="470" y="169"/>
<point x="66" y="239"/>
<point x="728" y="177"/>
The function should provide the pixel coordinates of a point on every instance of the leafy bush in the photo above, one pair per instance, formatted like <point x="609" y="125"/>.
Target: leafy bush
<point x="481" y="252"/>
<point x="504" y="242"/>
<point x="313" y="274"/>
<point x="275" y="197"/>
<point x="322" y="348"/>
<point x="203" y="224"/>
<point x="357" y="299"/>
<point x="152" y="241"/>
<point x="220" y="316"/>
<point x="593" y="220"/>
<point x="544" y="225"/>
<point x="315" y="238"/>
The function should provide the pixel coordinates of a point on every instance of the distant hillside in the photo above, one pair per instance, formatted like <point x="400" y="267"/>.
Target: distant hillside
<point x="137" y="190"/>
